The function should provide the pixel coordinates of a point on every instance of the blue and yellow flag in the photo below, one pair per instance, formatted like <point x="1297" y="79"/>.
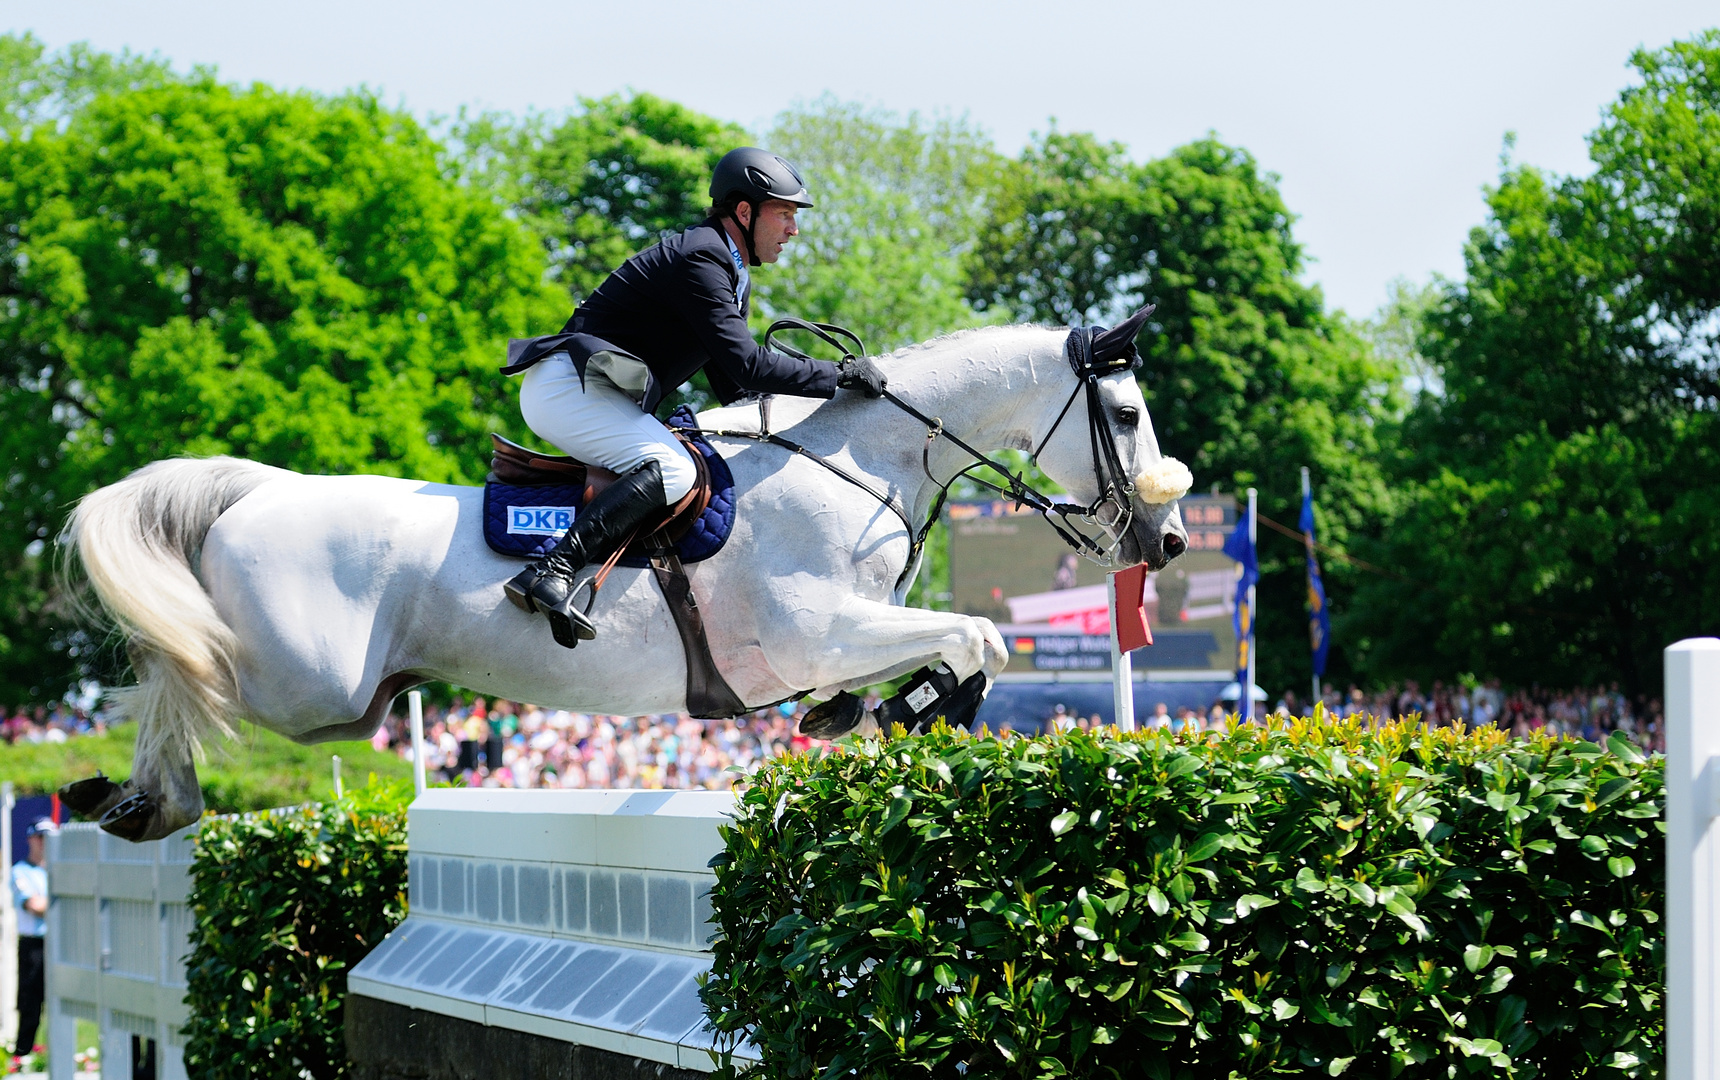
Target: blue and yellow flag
<point x="1240" y="546"/>
<point x="1319" y="617"/>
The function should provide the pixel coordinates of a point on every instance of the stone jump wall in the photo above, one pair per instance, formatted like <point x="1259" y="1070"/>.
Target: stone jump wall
<point x="567" y="927"/>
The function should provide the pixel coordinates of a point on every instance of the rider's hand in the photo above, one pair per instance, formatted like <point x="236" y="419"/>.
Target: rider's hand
<point x="860" y="373"/>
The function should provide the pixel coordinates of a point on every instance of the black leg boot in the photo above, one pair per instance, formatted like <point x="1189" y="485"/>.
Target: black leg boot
<point x="600" y="526"/>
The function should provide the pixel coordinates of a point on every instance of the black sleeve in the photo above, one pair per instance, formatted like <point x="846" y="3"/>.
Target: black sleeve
<point x="706" y="299"/>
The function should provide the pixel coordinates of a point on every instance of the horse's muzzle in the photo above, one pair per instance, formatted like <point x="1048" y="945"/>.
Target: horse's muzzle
<point x="1156" y="538"/>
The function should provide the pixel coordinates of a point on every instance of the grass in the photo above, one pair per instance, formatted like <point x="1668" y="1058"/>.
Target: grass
<point x="257" y="771"/>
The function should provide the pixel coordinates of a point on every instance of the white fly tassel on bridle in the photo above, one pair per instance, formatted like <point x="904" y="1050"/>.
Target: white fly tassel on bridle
<point x="1165" y="480"/>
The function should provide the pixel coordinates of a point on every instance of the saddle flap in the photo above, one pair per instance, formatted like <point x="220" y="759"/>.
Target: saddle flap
<point x="512" y="463"/>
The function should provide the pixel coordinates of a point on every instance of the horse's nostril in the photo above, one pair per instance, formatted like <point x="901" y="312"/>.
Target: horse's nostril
<point x="1174" y="545"/>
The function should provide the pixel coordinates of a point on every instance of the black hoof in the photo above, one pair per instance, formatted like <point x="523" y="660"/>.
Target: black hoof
<point x="834" y="718"/>
<point x="130" y="817"/>
<point x="86" y="797"/>
<point x="964" y="704"/>
<point x="519" y="589"/>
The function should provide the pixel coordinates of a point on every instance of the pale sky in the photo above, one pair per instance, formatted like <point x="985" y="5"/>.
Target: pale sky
<point x="1384" y="121"/>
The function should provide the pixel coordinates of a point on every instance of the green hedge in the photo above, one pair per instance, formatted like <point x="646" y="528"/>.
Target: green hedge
<point x="1310" y="899"/>
<point x="286" y="902"/>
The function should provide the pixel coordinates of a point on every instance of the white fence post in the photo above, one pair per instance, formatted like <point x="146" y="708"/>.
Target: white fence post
<point x="415" y="712"/>
<point x="8" y="928"/>
<point x="1692" y="859"/>
<point x="1122" y="669"/>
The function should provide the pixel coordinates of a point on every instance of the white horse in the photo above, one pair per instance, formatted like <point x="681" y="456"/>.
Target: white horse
<point x="307" y="603"/>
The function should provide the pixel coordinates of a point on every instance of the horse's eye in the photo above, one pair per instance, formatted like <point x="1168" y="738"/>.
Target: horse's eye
<point x="1128" y="416"/>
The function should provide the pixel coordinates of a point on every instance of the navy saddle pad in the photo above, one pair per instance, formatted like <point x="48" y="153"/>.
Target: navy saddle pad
<point x="525" y="521"/>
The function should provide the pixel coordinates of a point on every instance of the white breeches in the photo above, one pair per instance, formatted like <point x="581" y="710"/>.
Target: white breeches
<point x="600" y="425"/>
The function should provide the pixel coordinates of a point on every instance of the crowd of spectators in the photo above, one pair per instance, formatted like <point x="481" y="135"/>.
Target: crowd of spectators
<point x="1592" y="713"/>
<point x="505" y="744"/>
<point x="47" y="723"/>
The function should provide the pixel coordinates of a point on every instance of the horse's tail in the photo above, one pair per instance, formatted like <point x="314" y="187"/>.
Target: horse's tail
<point x="138" y="540"/>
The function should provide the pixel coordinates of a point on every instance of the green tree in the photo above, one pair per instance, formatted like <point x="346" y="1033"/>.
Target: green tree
<point x="38" y="88"/>
<point x="193" y="268"/>
<point x="899" y="202"/>
<point x="1062" y="244"/>
<point x="1248" y="377"/>
<point x="1558" y="494"/>
<point x="600" y="183"/>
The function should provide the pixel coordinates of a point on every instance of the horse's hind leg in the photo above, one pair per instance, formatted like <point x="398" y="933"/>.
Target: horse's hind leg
<point x="161" y="797"/>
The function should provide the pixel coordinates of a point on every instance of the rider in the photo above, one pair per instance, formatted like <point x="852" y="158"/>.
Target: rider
<point x="669" y="311"/>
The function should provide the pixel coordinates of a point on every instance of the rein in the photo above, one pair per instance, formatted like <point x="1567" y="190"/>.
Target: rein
<point x="1116" y="489"/>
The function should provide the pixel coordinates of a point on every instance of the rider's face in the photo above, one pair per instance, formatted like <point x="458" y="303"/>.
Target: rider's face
<point x="775" y="225"/>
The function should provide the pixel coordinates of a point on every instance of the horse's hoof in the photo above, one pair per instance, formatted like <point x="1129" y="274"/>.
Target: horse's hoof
<point x="834" y="718"/>
<point x="964" y="704"/>
<point x="85" y="798"/>
<point x="130" y="817"/>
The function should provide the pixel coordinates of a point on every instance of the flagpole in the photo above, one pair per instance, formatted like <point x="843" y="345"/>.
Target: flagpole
<point x="1253" y="616"/>
<point x="1309" y="544"/>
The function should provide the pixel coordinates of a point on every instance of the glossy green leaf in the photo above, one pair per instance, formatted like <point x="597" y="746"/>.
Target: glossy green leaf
<point x="1205" y="847"/>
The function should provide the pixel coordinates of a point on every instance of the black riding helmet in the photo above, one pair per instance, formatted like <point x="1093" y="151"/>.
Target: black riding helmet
<point x="756" y="175"/>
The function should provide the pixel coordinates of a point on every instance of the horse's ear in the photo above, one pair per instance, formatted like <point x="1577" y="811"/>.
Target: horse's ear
<point x="1119" y="341"/>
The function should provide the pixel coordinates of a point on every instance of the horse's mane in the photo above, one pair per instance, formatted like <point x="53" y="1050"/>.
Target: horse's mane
<point x="950" y="336"/>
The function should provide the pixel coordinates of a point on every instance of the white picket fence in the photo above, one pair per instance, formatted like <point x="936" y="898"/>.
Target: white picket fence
<point x="118" y="931"/>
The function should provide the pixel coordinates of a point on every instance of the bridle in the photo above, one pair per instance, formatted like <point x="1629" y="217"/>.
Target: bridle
<point x="1110" y="513"/>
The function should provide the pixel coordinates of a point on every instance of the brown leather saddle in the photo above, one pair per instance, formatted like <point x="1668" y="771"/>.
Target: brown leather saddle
<point x="709" y="696"/>
<point x="512" y="463"/>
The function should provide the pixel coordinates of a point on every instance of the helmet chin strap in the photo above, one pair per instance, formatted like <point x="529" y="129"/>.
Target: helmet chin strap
<point x="746" y="229"/>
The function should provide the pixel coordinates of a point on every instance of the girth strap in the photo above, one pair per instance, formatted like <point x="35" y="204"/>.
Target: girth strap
<point x="709" y="696"/>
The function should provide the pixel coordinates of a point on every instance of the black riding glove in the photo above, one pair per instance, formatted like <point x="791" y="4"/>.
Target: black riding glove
<point x="860" y="373"/>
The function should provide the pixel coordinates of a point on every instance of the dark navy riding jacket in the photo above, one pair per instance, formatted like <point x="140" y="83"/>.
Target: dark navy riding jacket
<point x="673" y="308"/>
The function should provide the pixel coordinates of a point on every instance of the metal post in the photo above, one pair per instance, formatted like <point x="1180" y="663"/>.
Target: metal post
<point x="339" y="790"/>
<point x="1692" y="859"/>
<point x="1253" y="616"/>
<point x="415" y="710"/>
<point x="1122" y="669"/>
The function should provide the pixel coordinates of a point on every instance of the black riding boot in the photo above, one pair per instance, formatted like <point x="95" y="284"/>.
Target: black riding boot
<point x="602" y="524"/>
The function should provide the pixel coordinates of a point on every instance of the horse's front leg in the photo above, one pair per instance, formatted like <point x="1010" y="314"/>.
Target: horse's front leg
<point x="869" y="641"/>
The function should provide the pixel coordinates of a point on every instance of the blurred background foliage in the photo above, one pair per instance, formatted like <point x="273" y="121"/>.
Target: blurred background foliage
<point x="1526" y="459"/>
